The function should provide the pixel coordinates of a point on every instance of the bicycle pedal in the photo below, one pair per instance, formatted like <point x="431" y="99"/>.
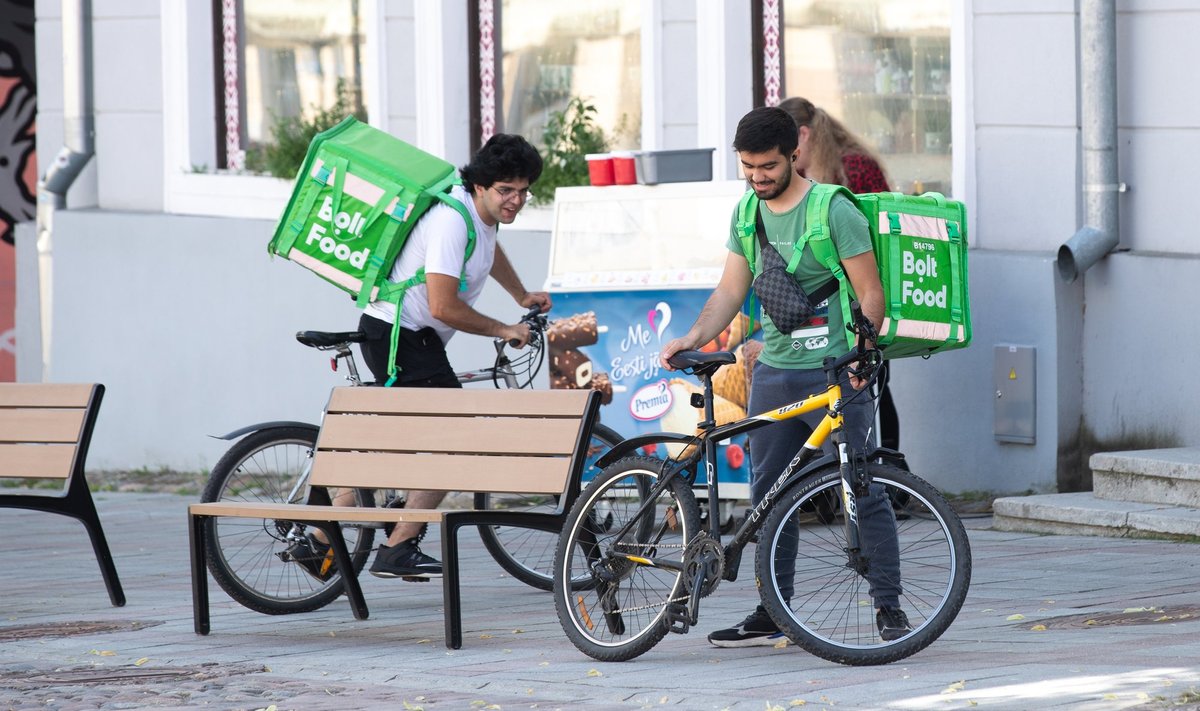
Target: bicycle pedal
<point x="679" y="620"/>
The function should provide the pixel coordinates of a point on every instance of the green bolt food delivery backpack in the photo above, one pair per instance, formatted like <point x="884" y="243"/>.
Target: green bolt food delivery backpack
<point x="357" y="197"/>
<point x="920" y="245"/>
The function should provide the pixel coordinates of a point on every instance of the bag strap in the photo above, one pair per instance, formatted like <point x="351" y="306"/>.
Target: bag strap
<point x="321" y="178"/>
<point x="817" y="230"/>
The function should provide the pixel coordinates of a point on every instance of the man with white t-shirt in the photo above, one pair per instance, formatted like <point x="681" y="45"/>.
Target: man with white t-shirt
<point x="495" y="187"/>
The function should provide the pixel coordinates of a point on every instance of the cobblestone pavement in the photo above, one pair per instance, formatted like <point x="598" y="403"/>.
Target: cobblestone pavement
<point x="1121" y="620"/>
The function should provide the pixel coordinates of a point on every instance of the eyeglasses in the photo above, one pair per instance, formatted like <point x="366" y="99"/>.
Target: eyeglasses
<point x="508" y="193"/>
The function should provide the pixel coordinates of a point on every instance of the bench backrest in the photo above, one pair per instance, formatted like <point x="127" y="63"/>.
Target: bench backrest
<point x="397" y="437"/>
<point x="45" y="428"/>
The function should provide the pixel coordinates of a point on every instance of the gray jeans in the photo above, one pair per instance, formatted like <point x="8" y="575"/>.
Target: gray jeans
<point x="772" y="447"/>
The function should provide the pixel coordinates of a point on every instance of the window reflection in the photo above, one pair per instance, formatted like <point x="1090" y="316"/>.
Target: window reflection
<point x="287" y="59"/>
<point x="555" y="50"/>
<point x="883" y="68"/>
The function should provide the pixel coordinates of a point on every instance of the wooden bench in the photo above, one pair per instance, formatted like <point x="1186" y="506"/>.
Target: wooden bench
<point x="45" y="430"/>
<point x="494" y="441"/>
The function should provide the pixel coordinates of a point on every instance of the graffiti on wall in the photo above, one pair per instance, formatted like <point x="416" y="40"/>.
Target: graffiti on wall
<point x="18" y="164"/>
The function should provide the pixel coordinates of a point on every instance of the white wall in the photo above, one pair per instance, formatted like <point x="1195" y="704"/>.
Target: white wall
<point x="190" y="325"/>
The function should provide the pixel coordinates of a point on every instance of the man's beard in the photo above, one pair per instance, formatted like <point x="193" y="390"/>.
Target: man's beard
<point x="777" y="189"/>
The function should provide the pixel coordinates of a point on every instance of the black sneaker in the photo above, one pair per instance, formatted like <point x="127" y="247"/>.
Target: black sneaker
<point x="757" y="630"/>
<point x="315" y="557"/>
<point x="892" y="623"/>
<point x="405" y="560"/>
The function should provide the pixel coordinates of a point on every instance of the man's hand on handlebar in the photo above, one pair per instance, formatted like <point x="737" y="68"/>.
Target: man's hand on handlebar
<point x="860" y="372"/>
<point x="541" y="299"/>
<point x="516" y="334"/>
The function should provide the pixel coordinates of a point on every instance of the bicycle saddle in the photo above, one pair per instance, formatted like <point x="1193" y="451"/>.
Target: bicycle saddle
<point x="701" y="363"/>
<point x="324" y="339"/>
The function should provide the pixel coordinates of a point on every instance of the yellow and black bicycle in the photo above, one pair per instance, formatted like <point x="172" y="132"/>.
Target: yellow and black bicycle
<point x="631" y="567"/>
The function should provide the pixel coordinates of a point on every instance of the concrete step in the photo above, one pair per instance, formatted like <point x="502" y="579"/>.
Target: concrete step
<point x="1154" y="476"/>
<point x="1086" y="514"/>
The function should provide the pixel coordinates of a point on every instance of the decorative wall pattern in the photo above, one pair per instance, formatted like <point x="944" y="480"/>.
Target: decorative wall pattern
<point x="18" y="162"/>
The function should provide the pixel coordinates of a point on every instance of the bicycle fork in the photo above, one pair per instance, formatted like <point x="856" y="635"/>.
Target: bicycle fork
<point x="855" y="484"/>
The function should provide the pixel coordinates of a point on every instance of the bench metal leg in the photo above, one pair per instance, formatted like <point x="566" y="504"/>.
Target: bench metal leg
<point x="450" y="589"/>
<point x="199" y="574"/>
<point x="83" y="508"/>
<point x="358" y="603"/>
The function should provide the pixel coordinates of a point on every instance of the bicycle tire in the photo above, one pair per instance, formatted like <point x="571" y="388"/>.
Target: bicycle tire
<point x="242" y="556"/>
<point x="624" y="618"/>
<point x="831" y="613"/>
<point x="527" y="554"/>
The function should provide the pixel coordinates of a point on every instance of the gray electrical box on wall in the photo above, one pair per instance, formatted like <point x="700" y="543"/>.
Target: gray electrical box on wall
<point x="1016" y="394"/>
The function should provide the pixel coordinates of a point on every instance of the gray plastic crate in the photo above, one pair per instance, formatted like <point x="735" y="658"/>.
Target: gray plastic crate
<point x="682" y="166"/>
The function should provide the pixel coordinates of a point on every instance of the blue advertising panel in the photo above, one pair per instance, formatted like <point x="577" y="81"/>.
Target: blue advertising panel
<point x="610" y="340"/>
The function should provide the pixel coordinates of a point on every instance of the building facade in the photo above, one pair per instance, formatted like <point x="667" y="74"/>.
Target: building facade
<point x="155" y="279"/>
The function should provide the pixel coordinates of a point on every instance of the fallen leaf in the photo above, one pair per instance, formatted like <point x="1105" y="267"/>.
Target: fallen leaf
<point x="1163" y="618"/>
<point x="485" y="636"/>
<point x="797" y="702"/>
<point x="424" y="641"/>
<point x="332" y="634"/>
<point x="141" y="661"/>
<point x="594" y="672"/>
<point x="1110" y="697"/>
<point x="1014" y="618"/>
<point x="543" y="664"/>
<point x="1091" y="622"/>
<point x="972" y="703"/>
<point x="772" y="707"/>
<point x="781" y="644"/>
<point x="955" y="687"/>
<point x="108" y="653"/>
<point x="1038" y="628"/>
<point x="478" y="703"/>
<point x="518" y="631"/>
<point x="412" y="707"/>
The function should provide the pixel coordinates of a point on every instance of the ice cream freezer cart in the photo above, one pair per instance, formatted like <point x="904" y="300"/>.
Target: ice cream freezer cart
<point x="631" y="266"/>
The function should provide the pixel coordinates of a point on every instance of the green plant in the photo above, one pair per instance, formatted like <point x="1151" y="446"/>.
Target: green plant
<point x="569" y="135"/>
<point x="290" y="135"/>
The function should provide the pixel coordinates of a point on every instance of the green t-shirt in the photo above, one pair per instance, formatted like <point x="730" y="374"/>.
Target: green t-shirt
<point x="824" y="334"/>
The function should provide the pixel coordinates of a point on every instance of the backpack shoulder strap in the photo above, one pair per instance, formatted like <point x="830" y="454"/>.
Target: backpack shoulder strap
<point x="823" y="248"/>
<point x="747" y="222"/>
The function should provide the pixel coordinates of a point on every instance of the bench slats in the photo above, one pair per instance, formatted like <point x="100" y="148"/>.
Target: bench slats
<point x="441" y="472"/>
<point x="44" y="395"/>
<point x="27" y="425"/>
<point x="451" y="401"/>
<point x="300" y="512"/>
<point x="36" y="461"/>
<point x="477" y="435"/>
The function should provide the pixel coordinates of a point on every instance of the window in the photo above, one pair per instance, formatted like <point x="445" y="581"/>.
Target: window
<point x="883" y="68"/>
<point x="283" y="59"/>
<point x="552" y="51"/>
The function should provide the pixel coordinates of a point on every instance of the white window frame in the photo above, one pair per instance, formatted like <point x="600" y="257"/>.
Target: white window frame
<point x="189" y="127"/>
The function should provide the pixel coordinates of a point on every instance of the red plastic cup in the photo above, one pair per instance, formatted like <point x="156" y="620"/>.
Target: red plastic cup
<point x="600" y="169"/>
<point x="624" y="169"/>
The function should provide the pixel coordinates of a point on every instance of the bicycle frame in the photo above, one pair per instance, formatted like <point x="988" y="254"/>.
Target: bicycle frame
<point x="851" y="466"/>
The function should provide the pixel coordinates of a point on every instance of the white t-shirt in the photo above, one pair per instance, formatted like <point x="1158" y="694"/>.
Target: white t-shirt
<point x="438" y="242"/>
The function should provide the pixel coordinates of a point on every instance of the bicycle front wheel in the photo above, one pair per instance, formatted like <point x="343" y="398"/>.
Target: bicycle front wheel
<point x="822" y="603"/>
<point x="244" y="554"/>
<point x="527" y="554"/>
<point x="619" y="560"/>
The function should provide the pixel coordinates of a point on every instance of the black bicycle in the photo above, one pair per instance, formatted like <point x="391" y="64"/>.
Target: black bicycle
<point x="260" y="562"/>
<point x="619" y="588"/>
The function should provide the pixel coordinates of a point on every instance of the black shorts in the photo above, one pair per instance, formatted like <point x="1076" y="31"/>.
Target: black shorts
<point x="420" y="356"/>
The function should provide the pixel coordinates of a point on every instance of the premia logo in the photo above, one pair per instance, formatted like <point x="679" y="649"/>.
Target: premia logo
<point x="342" y="222"/>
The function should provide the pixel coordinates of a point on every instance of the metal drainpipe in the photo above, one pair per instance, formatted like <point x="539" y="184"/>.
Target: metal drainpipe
<point x="77" y="150"/>
<point x="1098" y="109"/>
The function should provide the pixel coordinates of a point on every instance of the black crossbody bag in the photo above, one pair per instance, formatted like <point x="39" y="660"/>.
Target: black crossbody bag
<point x="777" y="290"/>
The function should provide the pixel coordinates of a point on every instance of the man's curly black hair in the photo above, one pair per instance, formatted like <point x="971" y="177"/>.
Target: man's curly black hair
<point x="505" y="156"/>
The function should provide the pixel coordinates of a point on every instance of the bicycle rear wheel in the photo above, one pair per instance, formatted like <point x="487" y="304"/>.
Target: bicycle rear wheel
<point x="271" y="466"/>
<point x="831" y="613"/>
<point x="612" y="607"/>
<point x="527" y="554"/>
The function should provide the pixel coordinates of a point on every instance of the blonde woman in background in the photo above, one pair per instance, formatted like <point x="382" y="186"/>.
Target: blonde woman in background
<point x="829" y="153"/>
